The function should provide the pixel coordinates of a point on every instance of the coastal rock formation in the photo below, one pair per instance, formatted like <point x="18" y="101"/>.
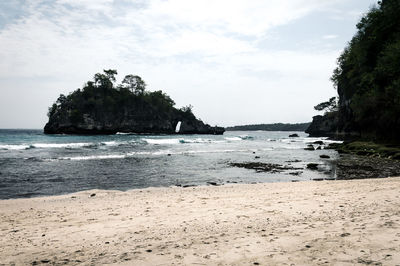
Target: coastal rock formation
<point x="323" y="126"/>
<point x="367" y="79"/>
<point x="103" y="108"/>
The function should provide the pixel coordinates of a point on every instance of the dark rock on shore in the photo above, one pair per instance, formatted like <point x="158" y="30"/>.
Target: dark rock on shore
<point x="350" y="166"/>
<point x="293" y="136"/>
<point x="264" y="167"/>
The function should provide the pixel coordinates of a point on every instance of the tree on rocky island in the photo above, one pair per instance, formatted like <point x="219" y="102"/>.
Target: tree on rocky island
<point x="134" y="83"/>
<point x="103" y="107"/>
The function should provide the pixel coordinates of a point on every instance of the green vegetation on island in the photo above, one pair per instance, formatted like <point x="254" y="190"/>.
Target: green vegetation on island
<point x="367" y="80"/>
<point x="271" y="127"/>
<point x="102" y="107"/>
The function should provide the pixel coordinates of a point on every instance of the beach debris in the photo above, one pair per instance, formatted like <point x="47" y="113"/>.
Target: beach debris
<point x="344" y="234"/>
<point x="312" y="166"/>
<point x="92" y="195"/>
<point x="264" y="167"/>
<point x="149" y="250"/>
<point x="324" y="156"/>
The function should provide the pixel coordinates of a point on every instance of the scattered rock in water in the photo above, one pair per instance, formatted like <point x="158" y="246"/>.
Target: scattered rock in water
<point x="319" y="148"/>
<point x="319" y="142"/>
<point x="257" y="157"/>
<point x="254" y="152"/>
<point x="265" y="167"/>
<point x="293" y="136"/>
<point x="293" y="161"/>
<point x="318" y="179"/>
<point x="312" y="166"/>
<point x="295" y="180"/>
<point x="169" y="154"/>
<point x="309" y="148"/>
<point x="296" y="173"/>
<point x="324" y="156"/>
<point x="213" y="183"/>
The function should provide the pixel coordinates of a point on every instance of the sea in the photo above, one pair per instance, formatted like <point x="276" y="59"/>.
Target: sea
<point x="35" y="164"/>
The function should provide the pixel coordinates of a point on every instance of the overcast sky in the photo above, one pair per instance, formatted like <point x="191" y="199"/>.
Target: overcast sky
<point x="236" y="61"/>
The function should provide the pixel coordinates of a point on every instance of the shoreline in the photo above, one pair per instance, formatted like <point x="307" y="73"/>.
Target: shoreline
<point x="344" y="222"/>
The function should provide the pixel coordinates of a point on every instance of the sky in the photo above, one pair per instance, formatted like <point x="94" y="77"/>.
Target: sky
<point x="235" y="61"/>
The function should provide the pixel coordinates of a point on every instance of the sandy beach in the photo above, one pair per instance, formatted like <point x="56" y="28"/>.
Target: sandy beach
<point x="302" y="223"/>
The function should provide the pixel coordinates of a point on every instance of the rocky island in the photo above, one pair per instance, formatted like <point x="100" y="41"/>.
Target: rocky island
<point x="101" y="107"/>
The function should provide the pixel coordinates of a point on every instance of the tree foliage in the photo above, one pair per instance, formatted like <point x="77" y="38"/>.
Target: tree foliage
<point x="367" y="77"/>
<point x="101" y="97"/>
<point x="330" y="105"/>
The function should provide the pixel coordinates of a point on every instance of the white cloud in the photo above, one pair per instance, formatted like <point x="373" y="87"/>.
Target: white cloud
<point x="191" y="49"/>
<point x="330" y="36"/>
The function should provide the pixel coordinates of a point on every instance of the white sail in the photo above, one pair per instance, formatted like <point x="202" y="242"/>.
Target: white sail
<point x="178" y="127"/>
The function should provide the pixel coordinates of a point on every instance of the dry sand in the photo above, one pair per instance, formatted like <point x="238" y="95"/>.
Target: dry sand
<point x="305" y="223"/>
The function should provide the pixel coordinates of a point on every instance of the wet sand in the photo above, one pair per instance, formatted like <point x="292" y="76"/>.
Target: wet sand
<point x="303" y="223"/>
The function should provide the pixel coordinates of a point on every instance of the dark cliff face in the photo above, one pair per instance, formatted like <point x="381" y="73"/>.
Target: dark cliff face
<point x="110" y="124"/>
<point x="323" y="126"/>
<point x="330" y="125"/>
<point x="102" y="108"/>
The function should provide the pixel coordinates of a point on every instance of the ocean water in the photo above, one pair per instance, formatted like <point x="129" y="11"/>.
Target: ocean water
<point x="34" y="164"/>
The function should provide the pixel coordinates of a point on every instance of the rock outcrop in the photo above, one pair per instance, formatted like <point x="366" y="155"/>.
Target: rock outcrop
<point x="103" y="108"/>
<point x="323" y="126"/>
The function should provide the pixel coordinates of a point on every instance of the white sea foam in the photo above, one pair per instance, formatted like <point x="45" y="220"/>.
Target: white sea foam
<point x="233" y="138"/>
<point x="162" y="141"/>
<point x="125" y="133"/>
<point x="14" y="147"/>
<point x="61" y="145"/>
<point x="111" y="143"/>
<point x="94" y="157"/>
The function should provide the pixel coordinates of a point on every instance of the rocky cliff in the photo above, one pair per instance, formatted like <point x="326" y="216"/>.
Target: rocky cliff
<point x="323" y="126"/>
<point x="100" y="107"/>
